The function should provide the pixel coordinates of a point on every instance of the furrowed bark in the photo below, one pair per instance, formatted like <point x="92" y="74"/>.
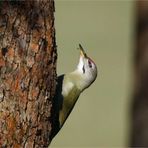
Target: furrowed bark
<point x="27" y="72"/>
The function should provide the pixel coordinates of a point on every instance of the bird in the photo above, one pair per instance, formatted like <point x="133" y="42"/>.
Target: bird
<point x="68" y="89"/>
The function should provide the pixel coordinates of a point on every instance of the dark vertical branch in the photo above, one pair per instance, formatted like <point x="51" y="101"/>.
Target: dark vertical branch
<point x="139" y="133"/>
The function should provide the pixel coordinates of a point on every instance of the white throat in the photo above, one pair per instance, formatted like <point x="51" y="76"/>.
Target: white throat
<point x="84" y="80"/>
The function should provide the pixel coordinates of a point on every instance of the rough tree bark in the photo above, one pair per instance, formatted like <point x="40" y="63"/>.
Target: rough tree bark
<point x="27" y="72"/>
<point x="139" y="125"/>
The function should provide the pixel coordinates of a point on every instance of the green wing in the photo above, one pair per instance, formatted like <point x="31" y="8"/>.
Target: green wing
<point x="68" y="104"/>
<point x="62" y="106"/>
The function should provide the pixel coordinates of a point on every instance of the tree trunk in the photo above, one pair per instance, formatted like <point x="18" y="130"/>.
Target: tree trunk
<point x="139" y="125"/>
<point x="27" y="72"/>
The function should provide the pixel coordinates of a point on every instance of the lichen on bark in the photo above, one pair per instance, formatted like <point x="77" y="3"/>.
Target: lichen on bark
<point x="27" y="72"/>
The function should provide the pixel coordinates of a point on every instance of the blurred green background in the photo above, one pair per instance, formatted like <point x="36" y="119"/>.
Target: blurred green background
<point x="104" y="28"/>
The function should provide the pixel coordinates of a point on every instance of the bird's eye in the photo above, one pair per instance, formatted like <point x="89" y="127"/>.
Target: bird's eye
<point x="89" y="64"/>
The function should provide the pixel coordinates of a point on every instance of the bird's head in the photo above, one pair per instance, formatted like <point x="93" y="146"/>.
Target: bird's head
<point x="87" y="67"/>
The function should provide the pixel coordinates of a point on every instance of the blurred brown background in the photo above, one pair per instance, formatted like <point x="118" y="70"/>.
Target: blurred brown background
<point x="139" y="116"/>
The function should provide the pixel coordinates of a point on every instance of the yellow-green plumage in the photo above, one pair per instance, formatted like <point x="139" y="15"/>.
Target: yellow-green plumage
<point x="71" y="95"/>
<point x="65" y="98"/>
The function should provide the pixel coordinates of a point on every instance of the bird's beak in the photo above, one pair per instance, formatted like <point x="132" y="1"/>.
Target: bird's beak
<point x="82" y="51"/>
